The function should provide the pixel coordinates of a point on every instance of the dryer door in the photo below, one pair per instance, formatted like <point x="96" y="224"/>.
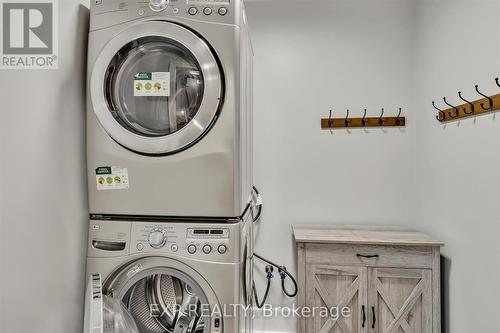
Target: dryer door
<point x="105" y="314"/>
<point x="156" y="88"/>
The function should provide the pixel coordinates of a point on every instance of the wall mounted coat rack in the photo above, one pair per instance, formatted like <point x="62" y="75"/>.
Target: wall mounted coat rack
<point x="469" y="108"/>
<point x="380" y="121"/>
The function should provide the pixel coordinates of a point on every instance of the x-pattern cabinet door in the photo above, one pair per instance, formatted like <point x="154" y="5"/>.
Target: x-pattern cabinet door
<point x="400" y="300"/>
<point x="337" y="287"/>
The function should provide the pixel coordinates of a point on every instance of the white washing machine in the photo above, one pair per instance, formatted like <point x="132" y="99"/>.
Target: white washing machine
<point x="169" y="116"/>
<point x="152" y="277"/>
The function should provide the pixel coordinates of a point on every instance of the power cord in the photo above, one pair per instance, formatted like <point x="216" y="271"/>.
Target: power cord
<point x="258" y="203"/>
<point x="283" y="275"/>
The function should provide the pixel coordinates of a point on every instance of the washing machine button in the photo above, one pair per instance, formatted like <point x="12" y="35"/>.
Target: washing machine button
<point x="140" y="247"/>
<point x="192" y="249"/>
<point x="222" y="249"/>
<point x="207" y="11"/>
<point x="207" y="249"/>
<point x="193" y="11"/>
<point x="174" y="247"/>
<point x="222" y="11"/>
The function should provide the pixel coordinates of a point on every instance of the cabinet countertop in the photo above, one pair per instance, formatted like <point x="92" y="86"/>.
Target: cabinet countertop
<point x="342" y="234"/>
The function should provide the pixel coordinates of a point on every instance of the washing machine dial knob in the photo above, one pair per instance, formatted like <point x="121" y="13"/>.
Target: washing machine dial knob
<point x="157" y="238"/>
<point x="158" y="5"/>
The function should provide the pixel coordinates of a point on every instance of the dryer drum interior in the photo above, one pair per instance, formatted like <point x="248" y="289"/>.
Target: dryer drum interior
<point x="162" y="303"/>
<point x="158" y="114"/>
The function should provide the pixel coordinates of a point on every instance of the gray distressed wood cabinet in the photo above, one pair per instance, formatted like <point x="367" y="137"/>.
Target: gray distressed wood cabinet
<point x="388" y="279"/>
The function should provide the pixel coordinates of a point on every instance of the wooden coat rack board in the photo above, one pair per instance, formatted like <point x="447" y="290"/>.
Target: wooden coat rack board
<point x="469" y="108"/>
<point x="346" y="122"/>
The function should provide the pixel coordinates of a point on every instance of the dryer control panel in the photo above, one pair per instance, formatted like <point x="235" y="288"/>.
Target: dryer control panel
<point x="106" y="13"/>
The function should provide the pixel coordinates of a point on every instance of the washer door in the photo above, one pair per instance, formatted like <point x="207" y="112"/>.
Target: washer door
<point x="104" y="314"/>
<point x="156" y="88"/>
<point x="164" y="295"/>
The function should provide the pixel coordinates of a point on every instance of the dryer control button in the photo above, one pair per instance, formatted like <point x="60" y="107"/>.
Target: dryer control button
<point x="222" y="249"/>
<point x="207" y="249"/>
<point x="158" y="5"/>
<point x="193" y="11"/>
<point x="207" y="11"/>
<point x="222" y="11"/>
<point x="192" y="249"/>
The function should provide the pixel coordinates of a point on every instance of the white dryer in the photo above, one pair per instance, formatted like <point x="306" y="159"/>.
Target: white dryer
<point x="169" y="116"/>
<point x="150" y="277"/>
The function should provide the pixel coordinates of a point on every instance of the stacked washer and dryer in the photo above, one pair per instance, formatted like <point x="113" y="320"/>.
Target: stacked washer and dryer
<point x="169" y="154"/>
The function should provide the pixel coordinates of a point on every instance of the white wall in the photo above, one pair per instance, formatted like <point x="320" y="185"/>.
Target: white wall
<point x="458" y="164"/>
<point x="311" y="56"/>
<point x="43" y="188"/>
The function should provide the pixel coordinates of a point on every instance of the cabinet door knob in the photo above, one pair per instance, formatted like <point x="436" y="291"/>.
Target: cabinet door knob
<point x="374" y="317"/>
<point x="364" y="316"/>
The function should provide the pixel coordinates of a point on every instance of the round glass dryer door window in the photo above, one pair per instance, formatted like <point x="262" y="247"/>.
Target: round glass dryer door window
<point x="156" y="88"/>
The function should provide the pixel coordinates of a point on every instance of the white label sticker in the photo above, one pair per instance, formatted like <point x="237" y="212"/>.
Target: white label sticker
<point x="112" y="178"/>
<point x="152" y="84"/>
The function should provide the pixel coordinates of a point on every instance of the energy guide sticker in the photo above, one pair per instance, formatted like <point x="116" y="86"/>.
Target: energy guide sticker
<point x="152" y="84"/>
<point x="111" y="178"/>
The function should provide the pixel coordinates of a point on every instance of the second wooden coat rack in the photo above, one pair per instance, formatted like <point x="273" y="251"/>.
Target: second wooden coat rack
<point x="469" y="108"/>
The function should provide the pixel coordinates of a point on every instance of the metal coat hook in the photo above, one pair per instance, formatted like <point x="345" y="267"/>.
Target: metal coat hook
<point x="454" y="107"/>
<point x="441" y="112"/>
<point x="468" y="102"/>
<point x="330" y="119"/>
<point x="380" y="121"/>
<point x="489" y="99"/>
<point x="347" y="119"/>
<point x="498" y="83"/>
<point x="363" y="121"/>
<point x="397" y="118"/>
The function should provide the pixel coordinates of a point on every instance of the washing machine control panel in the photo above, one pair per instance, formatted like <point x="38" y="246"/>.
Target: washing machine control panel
<point x="197" y="242"/>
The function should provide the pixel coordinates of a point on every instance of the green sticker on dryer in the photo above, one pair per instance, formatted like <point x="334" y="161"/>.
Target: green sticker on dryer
<point x="156" y="84"/>
<point x="112" y="178"/>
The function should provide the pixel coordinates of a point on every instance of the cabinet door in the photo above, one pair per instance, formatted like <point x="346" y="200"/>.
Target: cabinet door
<point x="336" y="287"/>
<point x="400" y="300"/>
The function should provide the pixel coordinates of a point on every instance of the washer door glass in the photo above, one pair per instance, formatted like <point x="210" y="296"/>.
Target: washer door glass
<point x="105" y="314"/>
<point x="164" y="295"/>
<point x="165" y="303"/>
<point x="154" y="86"/>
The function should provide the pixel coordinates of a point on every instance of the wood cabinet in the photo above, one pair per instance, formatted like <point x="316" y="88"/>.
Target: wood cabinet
<point x="387" y="280"/>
